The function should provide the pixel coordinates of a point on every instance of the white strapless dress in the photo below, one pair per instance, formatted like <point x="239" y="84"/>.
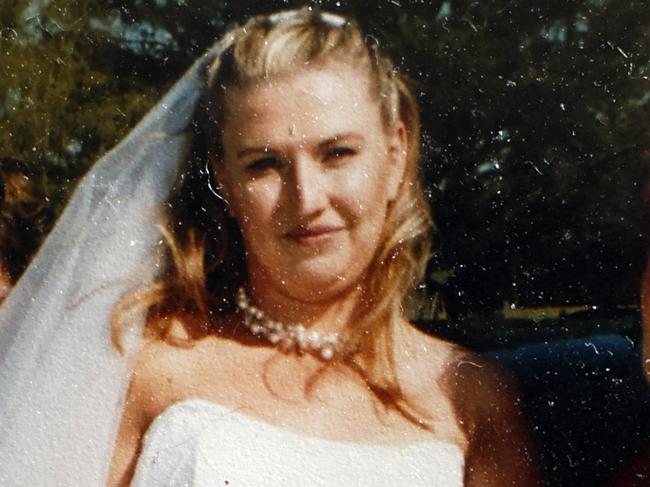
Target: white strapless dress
<point x="196" y="443"/>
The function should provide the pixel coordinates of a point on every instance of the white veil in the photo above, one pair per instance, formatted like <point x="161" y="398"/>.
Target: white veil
<point x="62" y="383"/>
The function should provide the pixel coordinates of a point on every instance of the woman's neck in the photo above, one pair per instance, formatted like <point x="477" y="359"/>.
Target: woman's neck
<point x="329" y="315"/>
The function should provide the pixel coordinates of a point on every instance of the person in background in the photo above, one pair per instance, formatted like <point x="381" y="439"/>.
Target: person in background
<point x="637" y="474"/>
<point x="645" y="289"/>
<point x="25" y="218"/>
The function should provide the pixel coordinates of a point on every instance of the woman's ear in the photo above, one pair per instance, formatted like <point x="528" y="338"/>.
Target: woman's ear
<point x="397" y="153"/>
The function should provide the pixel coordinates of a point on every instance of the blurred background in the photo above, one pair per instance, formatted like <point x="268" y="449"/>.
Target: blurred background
<point x="536" y="125"/>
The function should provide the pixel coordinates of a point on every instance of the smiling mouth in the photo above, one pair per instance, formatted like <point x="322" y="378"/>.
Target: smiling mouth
<point x="311" y="235"/>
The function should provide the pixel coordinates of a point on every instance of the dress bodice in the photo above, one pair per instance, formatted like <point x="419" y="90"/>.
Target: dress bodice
<point x="199" y="443"/>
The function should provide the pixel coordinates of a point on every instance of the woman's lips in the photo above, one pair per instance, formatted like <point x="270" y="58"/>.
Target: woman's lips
<point x="313" y="235"/>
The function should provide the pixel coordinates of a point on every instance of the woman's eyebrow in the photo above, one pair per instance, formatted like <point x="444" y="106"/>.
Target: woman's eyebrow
<point x="353" y="137"/>
<point x="246" y="151"/>
<point x="350" y="137"/>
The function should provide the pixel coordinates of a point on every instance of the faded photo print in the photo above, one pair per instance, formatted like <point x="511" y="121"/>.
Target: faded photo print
<point x="328" y="243"/>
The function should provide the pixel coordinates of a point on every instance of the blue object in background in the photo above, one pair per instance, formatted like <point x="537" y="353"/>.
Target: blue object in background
<point x="587" y="401"/>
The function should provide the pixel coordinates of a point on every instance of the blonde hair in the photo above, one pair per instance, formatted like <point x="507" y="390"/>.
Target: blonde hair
<point x="206" y="247"/>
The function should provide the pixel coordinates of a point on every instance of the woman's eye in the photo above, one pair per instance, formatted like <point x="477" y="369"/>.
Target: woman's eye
<point x="263" y="164"/>
<point x="335" y="153"/>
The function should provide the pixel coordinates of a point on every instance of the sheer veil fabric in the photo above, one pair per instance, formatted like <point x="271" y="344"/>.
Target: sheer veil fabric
<point x="62" y="383"/>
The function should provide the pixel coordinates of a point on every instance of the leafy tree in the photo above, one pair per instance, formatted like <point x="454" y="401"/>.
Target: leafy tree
<point x="536" y="121"/>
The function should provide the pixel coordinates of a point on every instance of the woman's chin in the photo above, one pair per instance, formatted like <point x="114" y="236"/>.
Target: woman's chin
<point x="314" y="287"/>
<point x="310" y="280"/>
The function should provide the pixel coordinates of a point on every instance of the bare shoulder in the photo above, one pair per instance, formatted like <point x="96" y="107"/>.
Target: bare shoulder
<point x="159" y="375"/>
<point x="435" y="368"/>
<point x="481" y="390"/>
<point x="463" y="376"/>
<point x="490" y="408"/>
<point x="155" y="373"/>
<point x="422" y="363"/>
<point x="483" y="401"/>
<point x="425" y="360"/>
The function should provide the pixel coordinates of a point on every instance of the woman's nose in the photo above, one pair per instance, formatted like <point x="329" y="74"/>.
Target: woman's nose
<point x="309" y="186"/>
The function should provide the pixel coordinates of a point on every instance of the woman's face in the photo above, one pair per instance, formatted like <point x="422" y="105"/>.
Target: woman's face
<point x="309" y="170"/>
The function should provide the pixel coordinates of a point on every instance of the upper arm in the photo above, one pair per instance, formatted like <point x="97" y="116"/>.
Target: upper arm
<point x="499" y="452"/>
<point x="127" y="445"/>
<point x="144" y="399"/>
<point x="645" y="312"/>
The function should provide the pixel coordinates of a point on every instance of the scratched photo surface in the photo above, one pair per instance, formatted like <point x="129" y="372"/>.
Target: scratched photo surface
<point x="534" y="161"/>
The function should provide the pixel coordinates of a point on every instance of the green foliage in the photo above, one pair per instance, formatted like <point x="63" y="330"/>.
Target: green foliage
<point x="536" y="120"/>
<point x="63" y="105"/>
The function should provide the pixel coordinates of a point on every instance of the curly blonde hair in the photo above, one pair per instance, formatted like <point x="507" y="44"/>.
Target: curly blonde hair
<point x="206" y="248"/>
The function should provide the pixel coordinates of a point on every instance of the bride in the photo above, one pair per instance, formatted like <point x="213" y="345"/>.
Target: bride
<point x="276" y="343"/>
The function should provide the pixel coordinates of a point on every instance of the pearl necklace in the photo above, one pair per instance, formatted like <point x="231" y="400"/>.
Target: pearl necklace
<point x="286" y="337"/>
